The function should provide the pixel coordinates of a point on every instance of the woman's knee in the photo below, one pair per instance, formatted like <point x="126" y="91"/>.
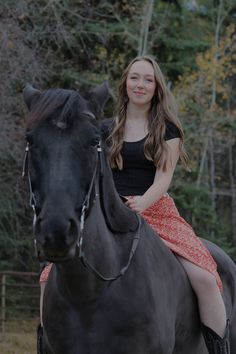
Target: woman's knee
<point x="201" y="280"/>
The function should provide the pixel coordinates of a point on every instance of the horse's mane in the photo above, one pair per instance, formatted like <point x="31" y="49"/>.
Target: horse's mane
<point x="58" y="106"/>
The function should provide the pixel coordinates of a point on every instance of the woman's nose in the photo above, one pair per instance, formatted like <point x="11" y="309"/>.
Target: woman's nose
<point x="140" y="83"/>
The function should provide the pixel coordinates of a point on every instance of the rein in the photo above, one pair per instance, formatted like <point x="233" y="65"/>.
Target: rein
<point x="32" y="200"/>
<point x="94" y="184"/>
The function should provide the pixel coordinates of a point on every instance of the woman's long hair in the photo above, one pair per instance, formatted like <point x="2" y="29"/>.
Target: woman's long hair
<point x="163" y="108"/>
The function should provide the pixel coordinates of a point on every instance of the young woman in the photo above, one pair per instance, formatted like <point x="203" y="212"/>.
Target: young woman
<point x="146" y="141"/>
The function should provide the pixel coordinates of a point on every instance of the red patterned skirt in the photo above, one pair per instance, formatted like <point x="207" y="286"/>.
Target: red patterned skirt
<point x="177" y="234"/>
<point x="45" y="273"/>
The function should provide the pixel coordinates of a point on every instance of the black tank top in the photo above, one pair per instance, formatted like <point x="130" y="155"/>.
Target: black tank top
<point x="138" y="172"/>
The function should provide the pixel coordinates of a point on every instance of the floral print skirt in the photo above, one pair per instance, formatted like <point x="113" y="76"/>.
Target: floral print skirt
<point x="178" y="235"/>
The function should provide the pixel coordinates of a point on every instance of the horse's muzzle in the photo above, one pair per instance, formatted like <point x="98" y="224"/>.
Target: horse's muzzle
<point x="56" y="238"/>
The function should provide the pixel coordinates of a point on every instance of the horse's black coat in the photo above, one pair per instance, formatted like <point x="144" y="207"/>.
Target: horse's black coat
<point x="151" y="309"/>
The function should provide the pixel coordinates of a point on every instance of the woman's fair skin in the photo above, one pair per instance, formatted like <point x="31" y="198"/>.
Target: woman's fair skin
<point x="141" y="87"/>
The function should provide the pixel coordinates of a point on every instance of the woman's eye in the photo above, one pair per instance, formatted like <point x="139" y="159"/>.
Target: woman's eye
<point x="149" y="80"/>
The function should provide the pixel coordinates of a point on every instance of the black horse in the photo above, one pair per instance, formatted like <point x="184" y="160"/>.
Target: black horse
<point x="114" y="288"/>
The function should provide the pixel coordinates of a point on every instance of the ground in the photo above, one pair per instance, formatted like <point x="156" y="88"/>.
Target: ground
<point x="20" y="337"/>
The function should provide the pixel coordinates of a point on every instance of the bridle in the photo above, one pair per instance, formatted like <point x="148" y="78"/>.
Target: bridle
<point x="94" y="185"/>
<point x="26" y="171"/>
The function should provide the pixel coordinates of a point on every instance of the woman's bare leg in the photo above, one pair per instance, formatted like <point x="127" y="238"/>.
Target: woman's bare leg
<point x="42" y="288"/>
<point x="211" y="305"/>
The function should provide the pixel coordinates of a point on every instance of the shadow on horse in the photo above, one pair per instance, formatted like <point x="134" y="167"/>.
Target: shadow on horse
<point x="114" y="287"/>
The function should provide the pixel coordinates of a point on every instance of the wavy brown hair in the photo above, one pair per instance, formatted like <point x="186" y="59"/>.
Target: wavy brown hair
<point x="163" y="108"/>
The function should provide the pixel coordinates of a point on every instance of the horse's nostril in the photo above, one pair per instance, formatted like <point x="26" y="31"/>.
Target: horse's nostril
<point x="56" y="236"/>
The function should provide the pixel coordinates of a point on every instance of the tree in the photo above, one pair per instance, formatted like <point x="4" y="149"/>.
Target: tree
<point x="204" y="94"/>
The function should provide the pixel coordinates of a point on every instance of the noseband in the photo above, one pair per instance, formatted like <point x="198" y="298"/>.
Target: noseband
<point x="94" y="185"/>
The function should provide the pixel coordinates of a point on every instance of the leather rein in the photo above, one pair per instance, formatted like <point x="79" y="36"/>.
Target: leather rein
<point x="94" y="185"/>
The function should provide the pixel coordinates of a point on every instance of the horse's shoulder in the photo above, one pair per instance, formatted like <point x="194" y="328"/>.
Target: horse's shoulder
<point x="155" y="244"/>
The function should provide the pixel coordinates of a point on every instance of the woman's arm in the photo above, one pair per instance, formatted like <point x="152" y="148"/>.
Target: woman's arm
<point x="161" y="181"/>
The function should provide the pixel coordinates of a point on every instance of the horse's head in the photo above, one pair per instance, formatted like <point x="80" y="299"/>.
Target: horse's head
<point x="62" y="136"/>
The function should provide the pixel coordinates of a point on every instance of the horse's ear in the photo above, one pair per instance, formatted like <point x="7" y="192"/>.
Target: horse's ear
<point x="31" y="95"/>
<point x="98" y="97"/>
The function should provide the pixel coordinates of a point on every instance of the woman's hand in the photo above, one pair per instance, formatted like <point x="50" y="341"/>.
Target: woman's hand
<point x="161" y="182"/>
<point x="135" y="203"/>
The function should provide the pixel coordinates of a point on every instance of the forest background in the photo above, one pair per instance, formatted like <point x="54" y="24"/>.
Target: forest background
<point x="77" y="44"/>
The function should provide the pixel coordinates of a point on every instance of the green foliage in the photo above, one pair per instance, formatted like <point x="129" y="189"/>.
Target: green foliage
<point x="16" y="251"/>
<point x="181" y="34"/>
<point x="195" y="205"/>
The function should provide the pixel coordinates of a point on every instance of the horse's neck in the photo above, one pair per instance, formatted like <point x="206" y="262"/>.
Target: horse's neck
<point x="107" y="239"/>
<point x="107" y="252"/>
<point x="119" y="218"/>
<point x="107" y="248"/>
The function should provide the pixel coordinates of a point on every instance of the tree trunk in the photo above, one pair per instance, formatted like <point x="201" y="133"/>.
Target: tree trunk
<point x="147" y="16"/>
<point x="233" y="188"/>
<point x="202" y="163"/>
<point x="220" y="19"/>
<point x="212" y="176"/>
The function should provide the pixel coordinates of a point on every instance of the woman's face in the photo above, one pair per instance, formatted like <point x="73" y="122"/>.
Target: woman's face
<point x="141" y="83"/>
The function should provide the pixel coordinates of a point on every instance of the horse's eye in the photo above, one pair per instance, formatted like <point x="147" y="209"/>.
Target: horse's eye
<point x="32" y="144"/>
<point x="94" y="141"/>
<point x="30" y="140"/>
